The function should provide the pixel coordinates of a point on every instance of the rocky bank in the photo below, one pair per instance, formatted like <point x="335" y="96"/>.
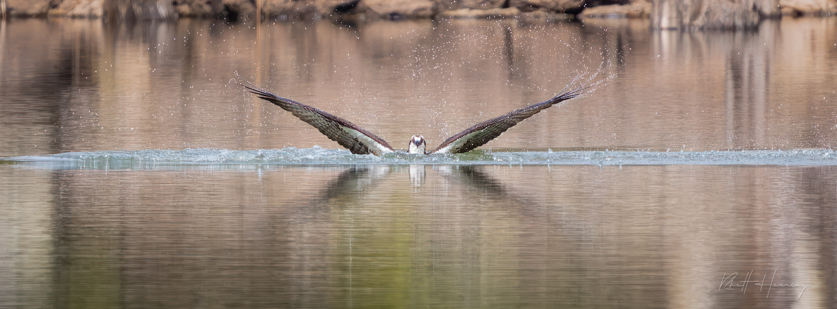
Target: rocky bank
<point x="664" y="14"/>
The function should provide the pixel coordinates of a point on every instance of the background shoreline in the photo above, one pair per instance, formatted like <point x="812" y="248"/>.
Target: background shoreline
<point x="664" y="14"/>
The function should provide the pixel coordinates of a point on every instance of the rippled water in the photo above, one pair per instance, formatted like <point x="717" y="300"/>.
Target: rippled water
<point x="135" y="171"/>
<point x="429" y="235"/>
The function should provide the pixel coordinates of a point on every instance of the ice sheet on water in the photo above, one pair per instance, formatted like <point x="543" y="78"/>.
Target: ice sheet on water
<point x="232" y="159"/>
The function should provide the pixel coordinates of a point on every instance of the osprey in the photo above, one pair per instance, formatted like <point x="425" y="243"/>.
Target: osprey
<point x="359" y="141"/>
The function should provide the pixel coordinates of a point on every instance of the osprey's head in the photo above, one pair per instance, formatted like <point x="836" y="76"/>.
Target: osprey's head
<point x="417" y="145"/>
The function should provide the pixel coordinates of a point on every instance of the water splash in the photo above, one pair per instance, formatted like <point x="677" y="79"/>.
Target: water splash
<point x="233" y="159"/>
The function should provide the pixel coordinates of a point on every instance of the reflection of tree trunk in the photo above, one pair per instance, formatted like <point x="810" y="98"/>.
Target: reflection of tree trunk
<point x="3" y="9"/>
<point x="746" y="82"/>
<point x="2" y="34"/>
<point x="132" y="10"/>
<point x="699" y="14"/>
<point x="508" y="51"/>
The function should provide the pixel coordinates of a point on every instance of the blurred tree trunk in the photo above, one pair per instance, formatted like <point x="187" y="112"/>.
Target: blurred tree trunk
<point x="711" y="14"/>
<point x="132" y="10"/>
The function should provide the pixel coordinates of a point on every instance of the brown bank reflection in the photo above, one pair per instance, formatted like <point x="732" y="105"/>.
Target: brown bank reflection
<point x="87" y="86"/>
<point x="383" y="235"/>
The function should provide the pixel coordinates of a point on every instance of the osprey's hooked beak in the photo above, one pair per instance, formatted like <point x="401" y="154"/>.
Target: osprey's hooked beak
<point x="417" y="145"/>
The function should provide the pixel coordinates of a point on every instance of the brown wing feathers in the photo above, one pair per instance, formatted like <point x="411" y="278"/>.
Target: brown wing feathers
<point x="360" y="141"/>
<point x="484" y="132"/>
<point x="331" y="126"/>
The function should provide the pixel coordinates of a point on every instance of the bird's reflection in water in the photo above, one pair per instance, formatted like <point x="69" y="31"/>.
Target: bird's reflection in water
<point x="362" y="179"/>
<point x="417" y="173"/>
<point x="354" y="183"/>
<point x="473" y="180"/>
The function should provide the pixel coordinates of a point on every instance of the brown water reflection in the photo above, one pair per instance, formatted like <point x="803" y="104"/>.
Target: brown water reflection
<point x="493" y="236"/>
<point x="84" y="86"/>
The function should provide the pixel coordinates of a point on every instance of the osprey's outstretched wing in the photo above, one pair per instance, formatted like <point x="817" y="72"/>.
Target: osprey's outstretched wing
<point x="345" y="133"/>
<point x="485" y="131"/>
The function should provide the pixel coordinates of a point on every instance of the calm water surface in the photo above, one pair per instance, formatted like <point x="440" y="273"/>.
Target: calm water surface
<point x="167" y="226"/>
